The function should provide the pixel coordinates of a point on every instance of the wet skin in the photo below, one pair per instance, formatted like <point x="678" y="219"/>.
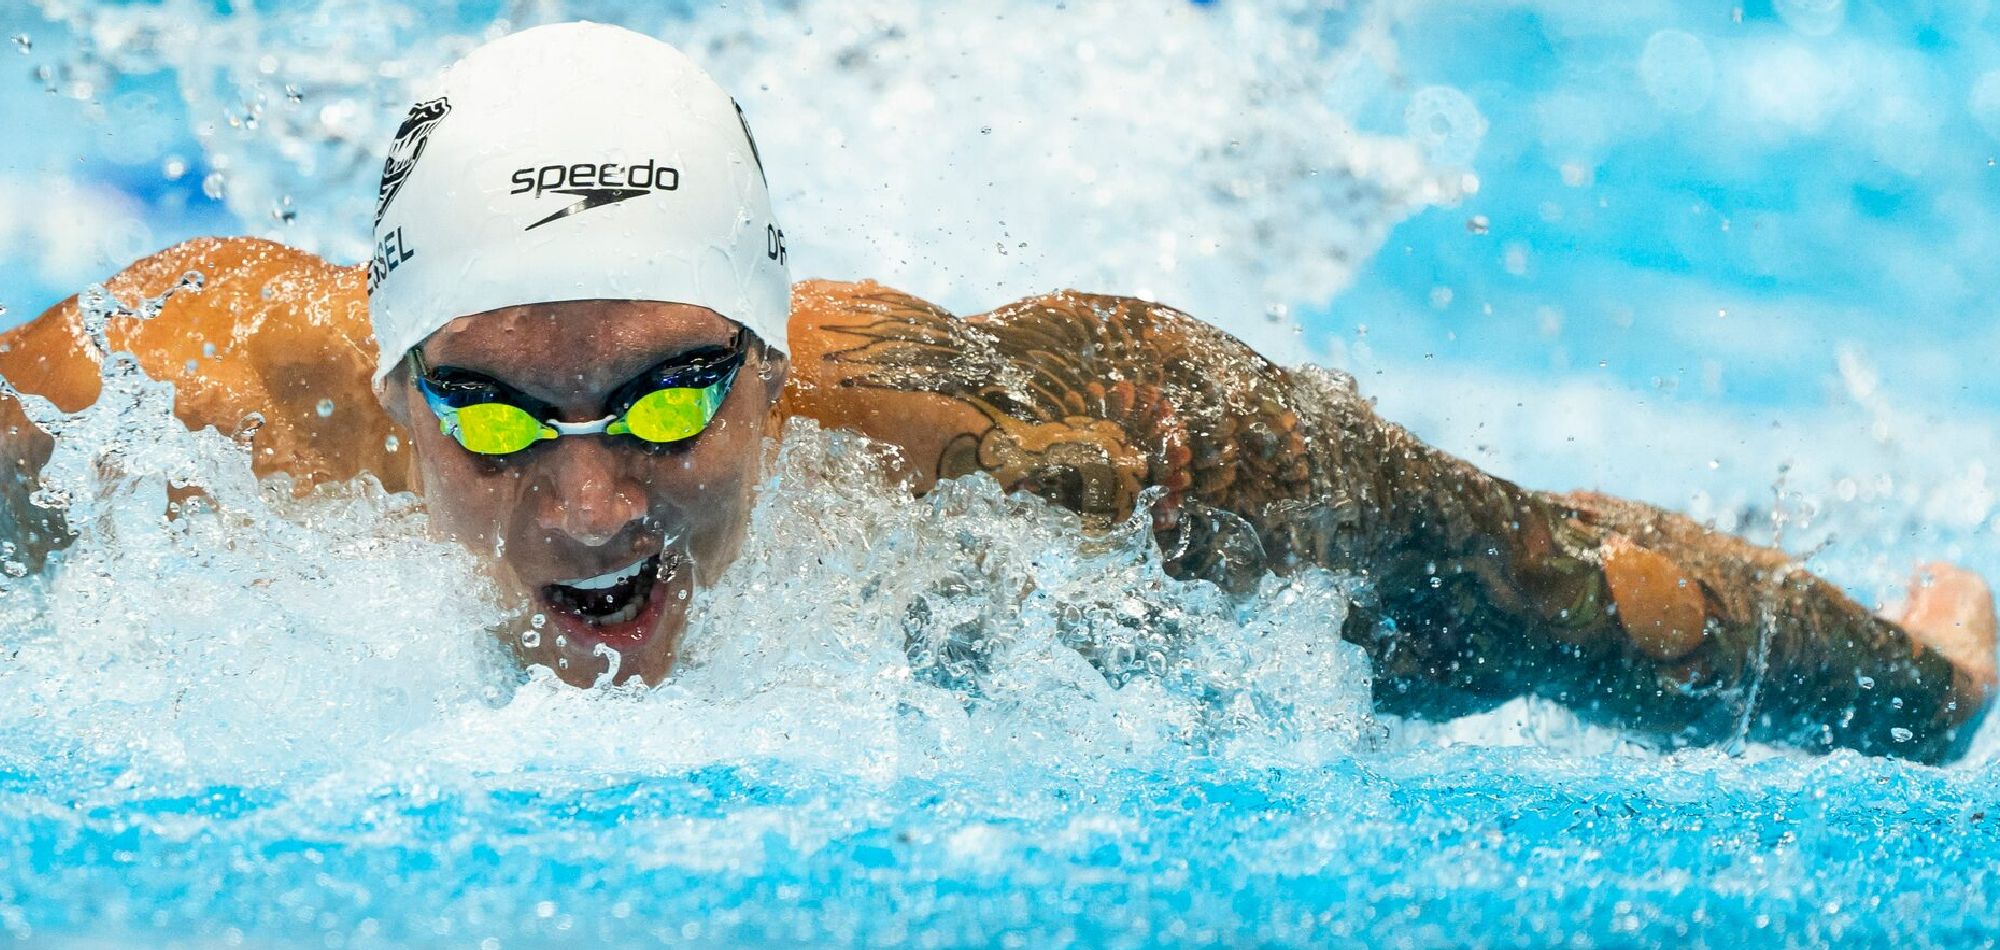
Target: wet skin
<point x="586" y="505"/>
<point x="1634" y="616"/>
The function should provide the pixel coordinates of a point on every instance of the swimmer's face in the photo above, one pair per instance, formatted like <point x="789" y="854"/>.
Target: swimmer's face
<point x="606" y="537"/>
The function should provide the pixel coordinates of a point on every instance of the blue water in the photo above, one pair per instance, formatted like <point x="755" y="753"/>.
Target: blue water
<point x="1732" y="259"/>
<point x="1496" y="847"/>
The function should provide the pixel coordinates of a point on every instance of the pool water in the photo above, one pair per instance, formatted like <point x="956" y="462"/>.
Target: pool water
<point x="961" y="720"/>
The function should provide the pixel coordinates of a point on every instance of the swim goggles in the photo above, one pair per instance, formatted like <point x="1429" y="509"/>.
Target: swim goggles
<point x="669" y="403"/>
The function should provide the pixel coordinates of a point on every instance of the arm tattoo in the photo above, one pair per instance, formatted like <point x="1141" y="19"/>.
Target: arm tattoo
<point x="1481" y="590"/>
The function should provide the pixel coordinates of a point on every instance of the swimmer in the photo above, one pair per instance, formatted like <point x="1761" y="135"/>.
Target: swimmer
<point x="578" y="332"/>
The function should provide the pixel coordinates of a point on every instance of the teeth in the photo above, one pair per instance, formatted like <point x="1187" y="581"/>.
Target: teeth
<point x="611" y="579"/>
<point x="623" y="614"/>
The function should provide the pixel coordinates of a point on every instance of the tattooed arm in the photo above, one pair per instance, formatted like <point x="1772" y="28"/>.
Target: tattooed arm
<point x="1481" y="590"/>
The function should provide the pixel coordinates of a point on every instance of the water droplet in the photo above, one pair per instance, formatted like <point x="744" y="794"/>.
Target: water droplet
<point x="531" y="638"/>
<point x="173" y="168"/>
<point x="25" y="44"/>
<point x="212" y="185"/>
<point x="1478" y="224"/>
<point x="14" y="568"/>
<point x="324" y="408"/>
<point x="392" y="443"/>
<point x="1867" y="682"/>
<point x="1901" y="734"/>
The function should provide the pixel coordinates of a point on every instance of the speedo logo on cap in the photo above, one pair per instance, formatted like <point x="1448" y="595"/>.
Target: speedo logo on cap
<point x="593" y="184"/>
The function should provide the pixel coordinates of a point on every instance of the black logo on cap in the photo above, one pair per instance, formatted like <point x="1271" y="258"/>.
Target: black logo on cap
<point x="593" y="184"/>
<point x="759" y="159"/>
<point x="408" y="147"/>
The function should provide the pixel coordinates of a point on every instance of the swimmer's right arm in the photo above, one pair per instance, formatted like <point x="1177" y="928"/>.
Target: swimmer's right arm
<point x="271" y="336"/>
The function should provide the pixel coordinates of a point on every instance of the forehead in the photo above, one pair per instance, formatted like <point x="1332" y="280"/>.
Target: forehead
<point x="559" y="347"/>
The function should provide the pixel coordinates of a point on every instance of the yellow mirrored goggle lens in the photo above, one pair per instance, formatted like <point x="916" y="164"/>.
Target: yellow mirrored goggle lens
<point x="670" y="415"/>
<point x="495" y="428"/>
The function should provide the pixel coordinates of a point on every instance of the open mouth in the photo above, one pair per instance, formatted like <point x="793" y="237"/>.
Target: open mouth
<point x="621" y="604"/>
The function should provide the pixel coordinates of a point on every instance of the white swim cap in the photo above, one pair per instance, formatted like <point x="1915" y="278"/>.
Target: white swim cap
<point x="575" y="161"/>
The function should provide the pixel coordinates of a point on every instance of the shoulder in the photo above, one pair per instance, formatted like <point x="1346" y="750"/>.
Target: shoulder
<point x="242" y="284"/>
<point x="264" y="328"/>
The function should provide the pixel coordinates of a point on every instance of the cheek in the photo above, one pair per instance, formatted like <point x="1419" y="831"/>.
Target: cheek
<point x="711" y="486"/>
<point x="464" y="497"/>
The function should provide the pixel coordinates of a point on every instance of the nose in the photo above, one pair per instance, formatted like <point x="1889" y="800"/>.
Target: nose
<point x="585" y="493"/>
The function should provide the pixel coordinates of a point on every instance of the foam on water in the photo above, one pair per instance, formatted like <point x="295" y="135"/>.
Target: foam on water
<point x="233" y="715"/>
<point x="206" y="628"/>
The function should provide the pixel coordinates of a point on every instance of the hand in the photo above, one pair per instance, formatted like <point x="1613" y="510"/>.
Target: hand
<point x="1950" y="610"/>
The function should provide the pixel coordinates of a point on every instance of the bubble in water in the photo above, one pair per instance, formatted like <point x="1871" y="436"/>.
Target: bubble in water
<point x="1677" y="71"/>
<point x="1812" y="17"/>
<point x="391" y="443"/>
<point x="212" y="185"/>
<point x="23" y="43"/>
<point x="1446" y="123"/>
<point x="324" y="408"/>
<point x="1984" y="103"/>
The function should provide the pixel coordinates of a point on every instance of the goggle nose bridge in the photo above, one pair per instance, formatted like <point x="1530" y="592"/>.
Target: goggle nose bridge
<point x="581" y="428"/>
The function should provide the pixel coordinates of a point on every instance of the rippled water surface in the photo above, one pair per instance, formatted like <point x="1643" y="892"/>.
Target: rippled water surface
<point x="1580" y="245"/>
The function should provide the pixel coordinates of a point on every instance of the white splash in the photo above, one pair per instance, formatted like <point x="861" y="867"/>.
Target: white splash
<point x="1204" y="156"/>
<point x="205" y="628"/>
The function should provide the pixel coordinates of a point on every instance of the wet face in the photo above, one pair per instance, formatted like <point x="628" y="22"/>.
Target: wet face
<point x="605" y="537"/>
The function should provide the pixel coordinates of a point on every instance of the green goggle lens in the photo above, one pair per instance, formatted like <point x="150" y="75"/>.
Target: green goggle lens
<point x="494" y="428"/>
<point x="670" y="415"/>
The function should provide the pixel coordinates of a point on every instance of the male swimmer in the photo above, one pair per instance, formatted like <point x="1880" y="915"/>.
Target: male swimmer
<point x="580" y="328"/>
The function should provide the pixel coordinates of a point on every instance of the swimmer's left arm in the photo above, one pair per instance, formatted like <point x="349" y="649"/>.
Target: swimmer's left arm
<point x="1646" y="619"/>
<point x="1488" y="591"/>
